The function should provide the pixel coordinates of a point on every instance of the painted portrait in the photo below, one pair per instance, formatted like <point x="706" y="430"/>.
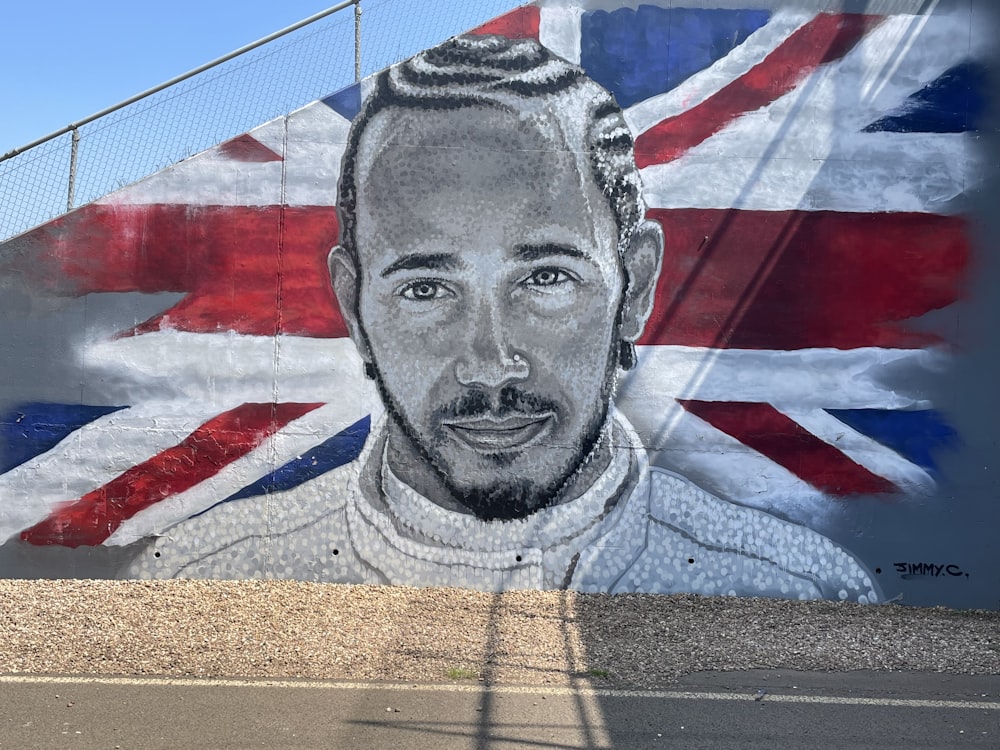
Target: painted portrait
<point x="640" y="299"/>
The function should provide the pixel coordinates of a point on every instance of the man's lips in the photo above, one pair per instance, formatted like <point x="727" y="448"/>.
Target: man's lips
<point x="490" y="434"/>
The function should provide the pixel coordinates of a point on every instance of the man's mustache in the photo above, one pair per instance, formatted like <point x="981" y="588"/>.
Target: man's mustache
<point x="509" y="400"/>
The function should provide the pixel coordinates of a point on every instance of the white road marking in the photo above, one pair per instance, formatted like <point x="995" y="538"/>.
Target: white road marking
<point x="496" y="689"/>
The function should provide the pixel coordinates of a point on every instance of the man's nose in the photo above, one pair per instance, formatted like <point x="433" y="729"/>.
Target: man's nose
<point x="488" y="360"/>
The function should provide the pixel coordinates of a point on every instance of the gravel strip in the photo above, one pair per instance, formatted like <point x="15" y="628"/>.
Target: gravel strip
<point x="302" y="630"/>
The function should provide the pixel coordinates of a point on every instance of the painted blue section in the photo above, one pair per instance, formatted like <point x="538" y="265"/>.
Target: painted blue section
<point x="342" y="448"/>
<point x="953" y="103"/>
<point x="31" y="429"/>
<point x="639" y="53"/>
<point x="346" y="102"/>
<point x="915" y="435"/>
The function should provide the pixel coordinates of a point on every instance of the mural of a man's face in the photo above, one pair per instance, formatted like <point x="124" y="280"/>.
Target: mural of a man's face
<point x="489" y="302"/>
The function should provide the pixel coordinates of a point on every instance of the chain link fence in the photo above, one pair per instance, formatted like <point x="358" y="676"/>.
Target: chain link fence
<point x="307" y="63"/>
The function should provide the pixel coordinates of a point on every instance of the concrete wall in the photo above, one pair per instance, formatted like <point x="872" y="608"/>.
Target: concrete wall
<point x="727" y="329"/>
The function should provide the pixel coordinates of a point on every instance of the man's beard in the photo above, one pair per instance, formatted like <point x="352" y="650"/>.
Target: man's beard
<point x="512" y="496"/>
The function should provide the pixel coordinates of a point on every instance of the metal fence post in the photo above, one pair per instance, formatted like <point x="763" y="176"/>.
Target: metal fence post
<point x="74" y="149"/>
<point x="357" y="41"/>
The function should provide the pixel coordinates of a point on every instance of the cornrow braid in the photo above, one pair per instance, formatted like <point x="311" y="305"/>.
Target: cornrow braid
<point x="510" y="75"/>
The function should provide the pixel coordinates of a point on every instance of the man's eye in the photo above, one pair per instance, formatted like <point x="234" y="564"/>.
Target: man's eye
<point x="547" y="277"/>
<point x="424" y="290"/>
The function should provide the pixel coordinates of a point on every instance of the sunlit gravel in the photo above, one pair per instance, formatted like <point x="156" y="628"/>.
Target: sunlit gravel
<point x="302" y="630"/>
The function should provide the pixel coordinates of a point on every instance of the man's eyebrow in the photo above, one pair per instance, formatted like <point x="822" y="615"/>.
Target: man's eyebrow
<point x="422" y="262"/>
<point x="548" y="250"/>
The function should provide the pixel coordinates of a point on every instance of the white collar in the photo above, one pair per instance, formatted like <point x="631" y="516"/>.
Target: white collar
<point x="408" y="520"/>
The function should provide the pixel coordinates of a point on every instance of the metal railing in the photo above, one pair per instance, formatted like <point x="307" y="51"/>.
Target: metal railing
<point x="221" y="99"/>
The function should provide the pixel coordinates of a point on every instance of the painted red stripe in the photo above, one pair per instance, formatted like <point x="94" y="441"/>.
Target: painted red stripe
<point x="237" y="264"/>
<point x="520" y="23"/>
<point x="786" y="442"/>
<point x="247" y="148"/>
<point x="206" y="451"/>
<point x="740" y="279"/>
<point x="826" y="38"/>
<point x="801" y="279"/>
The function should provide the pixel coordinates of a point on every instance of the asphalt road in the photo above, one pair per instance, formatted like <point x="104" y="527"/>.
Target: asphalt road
<point x="711" y="710"/>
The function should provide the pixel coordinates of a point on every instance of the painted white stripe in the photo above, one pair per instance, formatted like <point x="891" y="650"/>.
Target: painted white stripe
<point x="876" y="172"/>
<point x="186" y="379"/>
<point x="798" y="383"/>
<point x="703" y="84"/>
<point x="559" y="30"/>
<point x="267" y="684"/>
<point x="287" y="444"/>
<point x="271" y="135"/>
<point x="213" y="179"/>
<point x="317" y="137"/>
<point x="228" y="368"/>
<point x="193" y="377"/>
<point x="209" y="179"/>
<point x="308" y="176"/>
<point x="684" y="444"/>
<point x="806" y="151"/>
<point x="231" y="368"/>
<point x="79" y="465"/>
<point x="804" y="378"/>
<point x="861" y="449"/>
<point x="93" y="456"/>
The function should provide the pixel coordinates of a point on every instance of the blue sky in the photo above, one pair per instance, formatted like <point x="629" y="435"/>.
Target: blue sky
<point x="66" y="59"/>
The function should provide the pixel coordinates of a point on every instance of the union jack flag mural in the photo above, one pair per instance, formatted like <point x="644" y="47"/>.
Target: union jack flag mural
<point x="180" y="346"/>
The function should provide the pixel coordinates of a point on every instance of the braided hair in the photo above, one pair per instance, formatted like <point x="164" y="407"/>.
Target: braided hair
<point x="509" y="75"/>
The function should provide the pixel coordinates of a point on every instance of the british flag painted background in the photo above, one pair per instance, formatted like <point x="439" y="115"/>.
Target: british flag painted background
<point x="818" y="176"/>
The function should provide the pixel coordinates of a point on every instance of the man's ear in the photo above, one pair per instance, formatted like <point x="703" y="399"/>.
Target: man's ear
<point x="642" y="260"/>
<point x="344" y="276"/>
